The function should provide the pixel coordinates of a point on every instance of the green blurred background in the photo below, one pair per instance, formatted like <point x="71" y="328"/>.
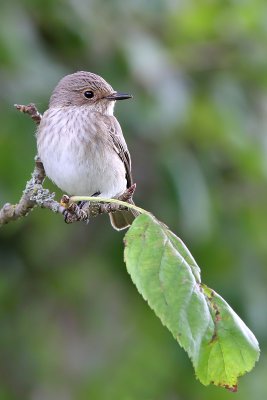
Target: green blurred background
<point x="72" y="325"/>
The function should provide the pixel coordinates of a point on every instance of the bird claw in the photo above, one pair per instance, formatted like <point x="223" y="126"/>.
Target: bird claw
<point x="73" y="212"/>
<point x="67" y="216"/>
<point x="81" y="204"/>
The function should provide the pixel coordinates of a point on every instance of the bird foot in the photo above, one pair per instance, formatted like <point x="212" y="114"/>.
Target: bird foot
<point x="73" y="212"/>
<point x="79" y="211"/>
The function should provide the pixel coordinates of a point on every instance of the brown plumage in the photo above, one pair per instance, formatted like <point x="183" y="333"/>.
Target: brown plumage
<point x="81" y="143"/>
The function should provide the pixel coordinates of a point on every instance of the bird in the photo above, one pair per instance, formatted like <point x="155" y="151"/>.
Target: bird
<point x="81" y="144"/>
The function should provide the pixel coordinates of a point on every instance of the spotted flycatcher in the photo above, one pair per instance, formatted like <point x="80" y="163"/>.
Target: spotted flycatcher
<point x="81" y="144"/>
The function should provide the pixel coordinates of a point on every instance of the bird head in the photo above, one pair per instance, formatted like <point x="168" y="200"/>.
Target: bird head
<point x="85" y="89"/>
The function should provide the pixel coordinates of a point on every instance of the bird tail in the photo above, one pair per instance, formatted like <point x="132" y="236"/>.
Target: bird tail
<point x="122" y="219"/>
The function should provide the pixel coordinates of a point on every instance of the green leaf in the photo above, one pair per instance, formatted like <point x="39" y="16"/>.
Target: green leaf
<point x="220" y="345"/>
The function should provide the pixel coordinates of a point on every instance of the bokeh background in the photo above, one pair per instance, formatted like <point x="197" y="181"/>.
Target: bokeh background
<point x="72" y="325"/>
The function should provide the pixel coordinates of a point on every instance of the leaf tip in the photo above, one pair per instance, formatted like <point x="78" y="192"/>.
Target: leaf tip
<point x="232" y="389"/>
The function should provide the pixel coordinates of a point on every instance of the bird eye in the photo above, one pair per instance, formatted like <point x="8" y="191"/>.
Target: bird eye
<point x="88" y="94"/>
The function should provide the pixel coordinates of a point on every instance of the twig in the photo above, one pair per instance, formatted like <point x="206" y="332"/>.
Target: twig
<point x="35" y="194"/>
<point x="31" y="110"/>
<point x="11" y="212"/>
<point x="93" y="208"/>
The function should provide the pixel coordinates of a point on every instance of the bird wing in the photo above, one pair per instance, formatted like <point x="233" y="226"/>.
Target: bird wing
<point x="120" y="147"/>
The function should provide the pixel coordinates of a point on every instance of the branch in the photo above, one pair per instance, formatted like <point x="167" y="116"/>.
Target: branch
<point x="35" y="195"/>
<point x="31" y="110"/>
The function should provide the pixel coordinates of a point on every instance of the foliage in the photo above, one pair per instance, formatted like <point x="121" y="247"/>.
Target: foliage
<point x="219" y="344"/>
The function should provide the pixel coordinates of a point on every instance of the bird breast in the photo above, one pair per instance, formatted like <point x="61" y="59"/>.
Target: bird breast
<point x="77" y="152"/>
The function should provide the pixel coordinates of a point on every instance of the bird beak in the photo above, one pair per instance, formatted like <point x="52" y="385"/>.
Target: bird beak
<point x="118" y="96"/>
